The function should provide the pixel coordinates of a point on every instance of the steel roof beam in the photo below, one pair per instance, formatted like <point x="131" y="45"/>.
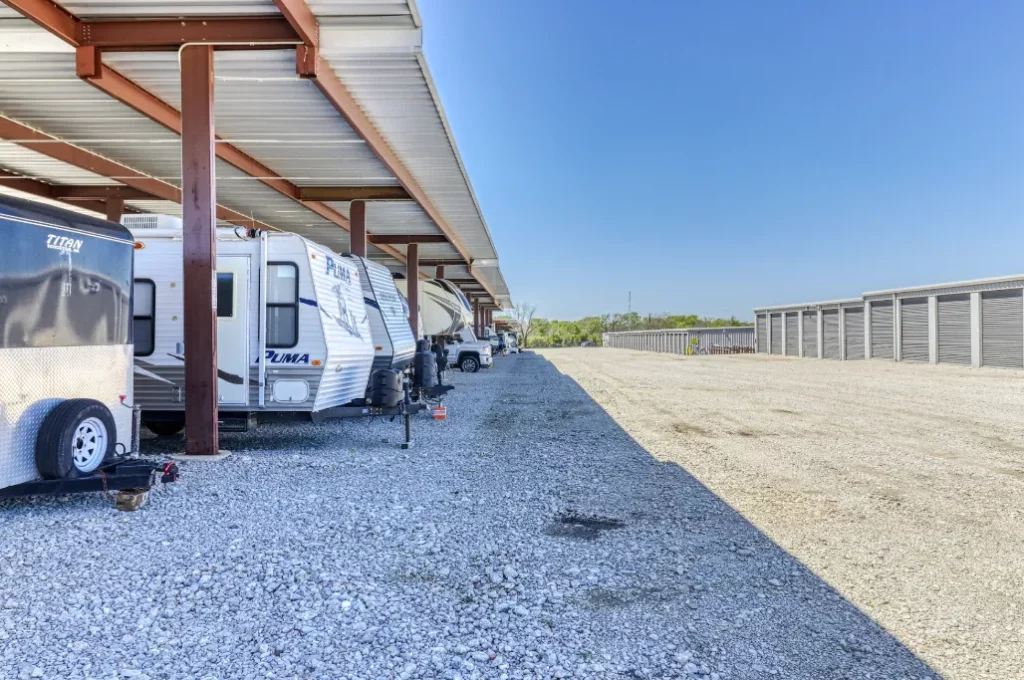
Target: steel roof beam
<point x="53" y="147"/>
<point x="378" y="239"/>
<point x="252" y="32"/>
<point x="385" y="193"/>
<point x="302" y="20"/>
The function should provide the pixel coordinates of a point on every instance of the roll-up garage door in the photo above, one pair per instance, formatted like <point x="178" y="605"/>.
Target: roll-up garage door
<point x="914" y="328"/>
<point x="854" y="334"/>
<point x="811" y="335"/>
<point x="830" y="337"/>
<point x="881" y="330"/>
<point x="1002" y="321"/>
<point x="762" y="333"/>
<point x="954" y="329"/>
<point x="776" y="334"/>
<point x="792" y="335"/>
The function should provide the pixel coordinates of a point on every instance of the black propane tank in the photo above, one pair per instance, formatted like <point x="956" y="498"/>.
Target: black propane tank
<point x="424" y="366"/>
<point x="386" y="388"/>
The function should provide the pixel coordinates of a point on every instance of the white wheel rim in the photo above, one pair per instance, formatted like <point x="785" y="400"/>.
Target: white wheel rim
<point x="89" y="444"/>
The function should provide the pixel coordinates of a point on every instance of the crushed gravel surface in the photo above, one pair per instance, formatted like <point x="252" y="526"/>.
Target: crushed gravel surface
<point x="901" y="485"/>
<point x="528" y="536"/>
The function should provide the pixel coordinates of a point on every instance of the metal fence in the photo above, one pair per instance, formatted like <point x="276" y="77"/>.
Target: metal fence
<point x="733" y="340"/>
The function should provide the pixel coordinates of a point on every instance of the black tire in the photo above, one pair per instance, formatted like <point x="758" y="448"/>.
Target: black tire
<point x="469" y="364"/>
<point x="56" y="442"/>
<point x="165" y="428"/>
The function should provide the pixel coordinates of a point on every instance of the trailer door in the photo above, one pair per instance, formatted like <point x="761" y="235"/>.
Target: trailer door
<point x="232" y="330"/>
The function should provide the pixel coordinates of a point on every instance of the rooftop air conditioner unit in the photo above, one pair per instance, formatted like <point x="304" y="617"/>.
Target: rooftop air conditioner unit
<point x="151" y="221"/>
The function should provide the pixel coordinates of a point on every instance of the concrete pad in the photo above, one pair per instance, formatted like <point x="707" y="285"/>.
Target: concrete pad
<point x="220" y="455"/>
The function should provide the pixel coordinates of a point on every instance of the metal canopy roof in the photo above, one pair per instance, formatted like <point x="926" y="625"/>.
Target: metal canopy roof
<point x="281" y="129"/>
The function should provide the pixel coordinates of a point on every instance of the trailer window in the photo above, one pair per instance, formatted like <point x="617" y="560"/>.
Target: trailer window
<point x="143" y="320"/>
<point x="282" y="305"/>
<point x="225" y="295"/>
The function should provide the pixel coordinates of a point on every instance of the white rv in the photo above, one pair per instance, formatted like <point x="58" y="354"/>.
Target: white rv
<point x="293" y="331"/>
<point x="444" y="310"/>
<point x="65" y="343"/>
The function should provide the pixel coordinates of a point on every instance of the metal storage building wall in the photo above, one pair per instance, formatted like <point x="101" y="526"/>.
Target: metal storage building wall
<point x="811" y="335"/>
<point x="1002" y="329"/>
<point x="776" y="334"/>
<point x="830" y="337"/>
<point x="954" y="329"/>
<point x="854" y="333"/>
<point x="792" y="334"/>
<point x="762" y="333"/>
<point x="914" y="326"/>
<point x="882" y="324"/>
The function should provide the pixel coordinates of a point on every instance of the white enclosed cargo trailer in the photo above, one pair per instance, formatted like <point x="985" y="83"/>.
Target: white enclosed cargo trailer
<point x="65" y="347"/>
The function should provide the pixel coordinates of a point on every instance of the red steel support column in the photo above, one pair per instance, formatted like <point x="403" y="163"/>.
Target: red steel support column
<point x="115" y="208"/>
<point x="412" y="276"/>
<point x="199" y="207"/>
<point x="439" y="272"/>
<point x="357" y="228"/>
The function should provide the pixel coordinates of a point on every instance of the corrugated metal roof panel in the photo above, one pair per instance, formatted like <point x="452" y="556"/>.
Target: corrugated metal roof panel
<point x="267" y="111"/>
<point x="393" y="92"/>
<point x="392" y="217"/>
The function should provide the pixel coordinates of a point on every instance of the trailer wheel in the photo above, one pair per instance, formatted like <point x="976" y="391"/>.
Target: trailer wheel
<point x="165" y="428"/>
<point x="74" y="439"/>
<point x="469" y="364"/>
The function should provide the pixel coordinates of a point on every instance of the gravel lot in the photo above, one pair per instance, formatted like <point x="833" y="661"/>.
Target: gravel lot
<point x="526" y="537"/>
<point x="900" y="485"/>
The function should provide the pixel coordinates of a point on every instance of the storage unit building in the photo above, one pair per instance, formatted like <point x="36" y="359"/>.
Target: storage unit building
<point x="967" y="323"/>
<point x="762" y="333"/>
<point x="1002" y="324"/>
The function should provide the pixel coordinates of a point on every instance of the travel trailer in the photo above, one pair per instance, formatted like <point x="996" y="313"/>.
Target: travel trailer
<point x="444" y="310"/>
<point x="308" y="348"/>
<point x="66" y="420"/>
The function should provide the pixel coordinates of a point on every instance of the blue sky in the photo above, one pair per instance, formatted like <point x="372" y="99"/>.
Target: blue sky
<point x="713" y="156"/>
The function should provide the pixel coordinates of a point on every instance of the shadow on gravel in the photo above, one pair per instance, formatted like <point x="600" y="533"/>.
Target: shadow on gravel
<point x="696" y="564"/>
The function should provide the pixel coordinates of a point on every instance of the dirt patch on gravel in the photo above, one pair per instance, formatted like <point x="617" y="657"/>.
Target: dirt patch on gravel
<point x="900" y="485"/>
